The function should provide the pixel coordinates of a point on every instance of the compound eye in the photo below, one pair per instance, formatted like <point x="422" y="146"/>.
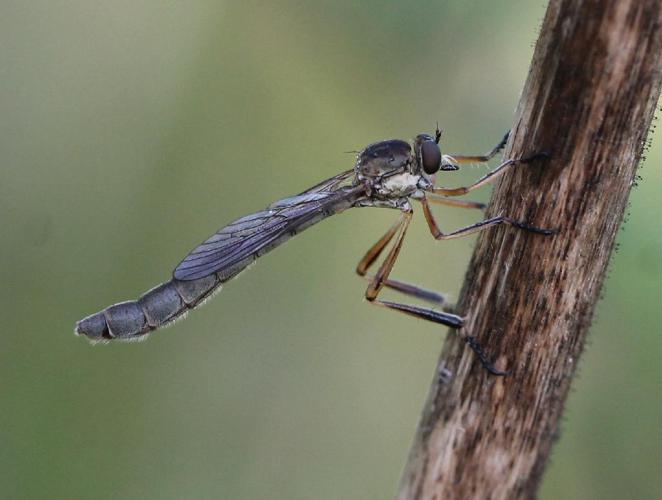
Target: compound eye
<point x="430" y="157"/>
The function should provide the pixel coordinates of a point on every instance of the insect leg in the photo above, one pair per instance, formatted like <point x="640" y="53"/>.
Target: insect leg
<point x="452" y="202"/>
<point x="416" y="291"/>
<point x="489" y="177"/>
<point x="438" y="234"/>
<point x="408" y="289"/>
<point x="446" y="319"/>
<point x="375" y="250"/>
<point x="381" y="279"/>
<point x="460" y="159"/>
<point x="373" y="253"/>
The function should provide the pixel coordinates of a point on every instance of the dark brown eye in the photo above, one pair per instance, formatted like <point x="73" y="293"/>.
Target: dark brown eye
<point x="430" y="157"/>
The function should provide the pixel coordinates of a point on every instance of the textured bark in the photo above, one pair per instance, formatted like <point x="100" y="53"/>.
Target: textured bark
<point x="589" y="100"/>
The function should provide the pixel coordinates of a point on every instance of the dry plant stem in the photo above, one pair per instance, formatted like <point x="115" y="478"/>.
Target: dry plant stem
<point x="589" y="100"/>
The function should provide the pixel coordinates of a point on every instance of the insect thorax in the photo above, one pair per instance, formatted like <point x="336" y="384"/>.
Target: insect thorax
<point x="390" y="169"/>
<point x="383" y="158"/>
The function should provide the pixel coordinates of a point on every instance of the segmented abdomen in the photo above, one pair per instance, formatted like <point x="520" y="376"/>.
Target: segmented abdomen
<point x="221" y="257"/>
<point x="162" y="304"/>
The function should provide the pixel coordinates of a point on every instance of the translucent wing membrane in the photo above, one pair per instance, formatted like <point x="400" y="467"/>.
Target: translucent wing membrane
<point x="239" y="243"/>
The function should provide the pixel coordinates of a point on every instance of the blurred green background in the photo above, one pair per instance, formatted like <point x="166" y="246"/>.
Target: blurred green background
<point x="133" y="130"/>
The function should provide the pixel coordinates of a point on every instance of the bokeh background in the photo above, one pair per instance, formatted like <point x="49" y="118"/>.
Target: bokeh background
<point x="130" y="131"/>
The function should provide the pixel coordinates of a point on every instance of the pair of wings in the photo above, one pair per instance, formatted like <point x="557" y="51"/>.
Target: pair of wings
<point x="234" y="246"/>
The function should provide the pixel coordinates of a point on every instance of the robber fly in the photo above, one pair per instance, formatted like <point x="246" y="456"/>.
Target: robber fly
<point x="387" y="174"/>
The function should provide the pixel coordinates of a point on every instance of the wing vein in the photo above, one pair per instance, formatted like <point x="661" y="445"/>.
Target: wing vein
<point x="240" y="242"/>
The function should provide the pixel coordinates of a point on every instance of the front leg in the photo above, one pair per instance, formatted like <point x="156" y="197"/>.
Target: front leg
<point x="464" y="159"/>
<point x="489" y="177"/>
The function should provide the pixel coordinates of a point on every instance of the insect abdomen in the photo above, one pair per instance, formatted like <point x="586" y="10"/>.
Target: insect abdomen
<point x="162" y="304"/>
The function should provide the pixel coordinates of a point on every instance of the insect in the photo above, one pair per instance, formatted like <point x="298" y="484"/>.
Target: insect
<point x="387" y="174"/>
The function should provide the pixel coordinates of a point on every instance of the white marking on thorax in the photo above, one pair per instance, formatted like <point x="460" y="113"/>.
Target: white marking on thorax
<point x="401" y="184"/>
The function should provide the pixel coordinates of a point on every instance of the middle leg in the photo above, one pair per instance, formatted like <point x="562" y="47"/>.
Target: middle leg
<point x="438" y="234"/>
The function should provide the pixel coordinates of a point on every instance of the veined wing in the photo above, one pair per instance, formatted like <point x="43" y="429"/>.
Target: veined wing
<point x="238" y="244"/>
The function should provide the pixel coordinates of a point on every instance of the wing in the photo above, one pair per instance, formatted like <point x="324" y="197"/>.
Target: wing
<point x="238" y="244"/>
